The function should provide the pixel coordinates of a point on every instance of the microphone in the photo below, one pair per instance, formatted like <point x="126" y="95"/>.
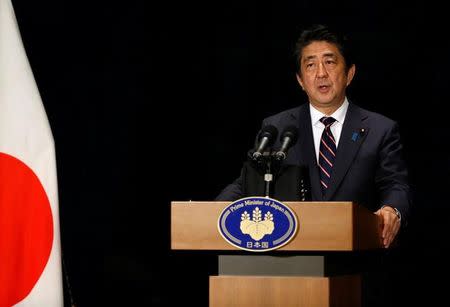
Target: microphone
<point x="288" y="138"/>
<point x="267" y="137"/>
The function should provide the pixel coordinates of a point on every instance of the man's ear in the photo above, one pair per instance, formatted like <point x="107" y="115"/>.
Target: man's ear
<point x="350" y="74"/>
<point x="299" y="80"/>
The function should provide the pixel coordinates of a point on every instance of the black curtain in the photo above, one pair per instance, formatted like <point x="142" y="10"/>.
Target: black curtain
<point x="151" y="102"/>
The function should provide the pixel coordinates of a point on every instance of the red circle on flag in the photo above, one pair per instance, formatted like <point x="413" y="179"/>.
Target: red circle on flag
<point x="26" y="230"/>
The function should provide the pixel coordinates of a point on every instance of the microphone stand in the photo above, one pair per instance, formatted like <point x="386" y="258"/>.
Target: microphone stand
<point x="266" y="163"/>
<point x="271" y="164"/>
<point x="268" y="176"/>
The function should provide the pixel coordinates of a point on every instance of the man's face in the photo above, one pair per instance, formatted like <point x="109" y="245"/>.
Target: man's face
<point x="322" y="74"/>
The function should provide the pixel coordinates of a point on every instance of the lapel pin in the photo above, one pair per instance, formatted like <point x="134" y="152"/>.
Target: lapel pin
<point x="355" y="136"/>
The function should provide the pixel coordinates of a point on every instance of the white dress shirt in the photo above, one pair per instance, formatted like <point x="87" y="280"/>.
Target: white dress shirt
<point x="336" y="127"/>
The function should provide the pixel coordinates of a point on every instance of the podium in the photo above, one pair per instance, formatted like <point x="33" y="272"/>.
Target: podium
<point x="318" y="267"/>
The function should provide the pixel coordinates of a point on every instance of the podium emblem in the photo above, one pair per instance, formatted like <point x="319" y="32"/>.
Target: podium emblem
<point x="257" y="224"/>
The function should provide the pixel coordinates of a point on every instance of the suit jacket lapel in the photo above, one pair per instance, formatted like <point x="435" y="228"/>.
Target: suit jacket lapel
<point x="305" y="150"/>
<point x="352" y="136"/>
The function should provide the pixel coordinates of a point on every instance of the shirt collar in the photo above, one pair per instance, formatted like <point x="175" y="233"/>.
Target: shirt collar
<point x="339" y="114"/>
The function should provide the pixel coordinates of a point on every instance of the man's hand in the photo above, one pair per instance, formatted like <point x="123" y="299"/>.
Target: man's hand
<point x="390" y="224"/>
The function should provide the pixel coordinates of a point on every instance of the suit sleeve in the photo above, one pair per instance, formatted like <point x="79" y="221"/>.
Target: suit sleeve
<point x="235" y="190"/>
<point x="232" y="191"/>
<point x="392" y="174"/>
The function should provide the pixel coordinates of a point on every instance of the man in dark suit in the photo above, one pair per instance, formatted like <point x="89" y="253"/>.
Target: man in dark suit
<point x="352" y="154"/>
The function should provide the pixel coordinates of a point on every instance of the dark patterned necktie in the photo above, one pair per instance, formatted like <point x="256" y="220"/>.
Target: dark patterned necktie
<point x="327" y="153"/>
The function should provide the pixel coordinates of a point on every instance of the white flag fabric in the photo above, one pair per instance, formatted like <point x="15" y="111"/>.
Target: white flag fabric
<point x="30" y="251"/>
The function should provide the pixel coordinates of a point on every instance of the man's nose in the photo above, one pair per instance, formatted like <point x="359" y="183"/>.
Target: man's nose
<point x="321" y="71"/>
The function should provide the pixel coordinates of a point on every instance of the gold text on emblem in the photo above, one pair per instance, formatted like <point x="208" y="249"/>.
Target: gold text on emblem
<point x="256" y="227"/>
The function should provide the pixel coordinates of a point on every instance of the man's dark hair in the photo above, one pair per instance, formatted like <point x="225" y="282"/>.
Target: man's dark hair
<point x="323" y="33"/>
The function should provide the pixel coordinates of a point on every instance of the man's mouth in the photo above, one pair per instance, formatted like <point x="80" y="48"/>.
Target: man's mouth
<point x="323" y="88"/>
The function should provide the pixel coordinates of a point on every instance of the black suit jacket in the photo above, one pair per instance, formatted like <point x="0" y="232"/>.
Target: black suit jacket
<point x="369" y="168"/>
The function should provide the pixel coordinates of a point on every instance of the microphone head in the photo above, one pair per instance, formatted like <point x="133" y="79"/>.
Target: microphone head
<point x="290" y="132"/>
<point x="288" y="139"/>
<point x="266" y="137"/>
<point x="270" y="132"/>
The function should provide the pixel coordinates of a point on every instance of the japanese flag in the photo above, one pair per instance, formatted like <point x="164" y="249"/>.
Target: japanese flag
<point x="30" y="253"/>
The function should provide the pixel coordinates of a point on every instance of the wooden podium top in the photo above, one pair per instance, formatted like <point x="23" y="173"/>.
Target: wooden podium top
<point x="323" y="226"/>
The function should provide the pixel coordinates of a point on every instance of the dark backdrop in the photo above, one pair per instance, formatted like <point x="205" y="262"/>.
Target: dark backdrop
<point x="151" y="102"/>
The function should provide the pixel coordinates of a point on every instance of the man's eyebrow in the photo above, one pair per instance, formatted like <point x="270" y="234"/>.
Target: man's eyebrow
<point x="309" y="57"/>
<point x="328" y="54"/>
